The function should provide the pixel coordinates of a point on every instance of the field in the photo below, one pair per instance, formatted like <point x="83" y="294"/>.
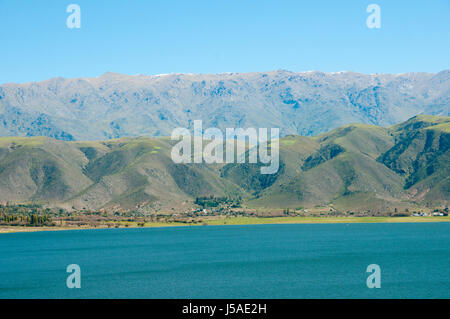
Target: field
<point x="218" y="221"/>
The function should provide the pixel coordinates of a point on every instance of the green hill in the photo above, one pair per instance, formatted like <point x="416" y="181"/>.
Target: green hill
<point x="355" y="167"/>
<point x="421" y="156"/>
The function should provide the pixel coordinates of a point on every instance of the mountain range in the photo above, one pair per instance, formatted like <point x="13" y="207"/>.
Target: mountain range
<point x="306" y="103"/>
<point x="356" y="167"/>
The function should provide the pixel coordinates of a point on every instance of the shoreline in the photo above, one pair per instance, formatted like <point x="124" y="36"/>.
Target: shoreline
<point x="243" y="221"/>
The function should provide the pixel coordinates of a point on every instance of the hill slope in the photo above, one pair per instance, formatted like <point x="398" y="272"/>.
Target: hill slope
<point x="356" y="167"/>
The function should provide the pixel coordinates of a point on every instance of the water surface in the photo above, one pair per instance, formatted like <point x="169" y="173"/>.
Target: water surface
<point x="251" y="261"/>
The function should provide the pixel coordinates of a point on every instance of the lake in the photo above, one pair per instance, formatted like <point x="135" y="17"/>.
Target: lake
<point x="251" y="261"/>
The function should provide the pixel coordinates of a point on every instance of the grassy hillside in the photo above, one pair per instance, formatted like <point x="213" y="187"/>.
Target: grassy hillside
<point x="355" y="167"/>
<point x="421" y="156"/>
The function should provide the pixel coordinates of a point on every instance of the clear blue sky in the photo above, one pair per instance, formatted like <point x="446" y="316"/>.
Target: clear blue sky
<point x="212" y="36"/>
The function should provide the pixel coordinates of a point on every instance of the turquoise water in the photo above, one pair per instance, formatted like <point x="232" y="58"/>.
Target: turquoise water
<point x="252" y="261"/>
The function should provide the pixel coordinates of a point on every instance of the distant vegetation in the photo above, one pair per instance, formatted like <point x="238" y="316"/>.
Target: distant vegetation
<point x="25" y="215"/>
<point x="211" y="201"/>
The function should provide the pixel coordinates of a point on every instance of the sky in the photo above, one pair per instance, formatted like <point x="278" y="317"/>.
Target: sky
<point x="196" y="36"/>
